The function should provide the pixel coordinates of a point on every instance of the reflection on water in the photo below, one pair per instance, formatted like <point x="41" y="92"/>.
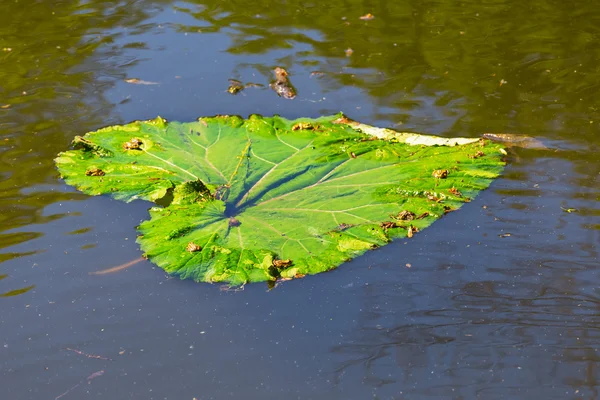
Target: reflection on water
<point x="479" y="313"/>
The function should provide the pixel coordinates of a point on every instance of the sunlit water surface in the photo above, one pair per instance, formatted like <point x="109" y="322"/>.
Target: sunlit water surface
<point x="478" y="315"/>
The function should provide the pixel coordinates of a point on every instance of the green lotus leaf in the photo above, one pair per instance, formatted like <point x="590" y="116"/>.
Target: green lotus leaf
<point x="246" y="200"/>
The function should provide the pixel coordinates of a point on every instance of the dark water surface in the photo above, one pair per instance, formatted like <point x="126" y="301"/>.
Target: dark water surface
<point x="476" y="316"/>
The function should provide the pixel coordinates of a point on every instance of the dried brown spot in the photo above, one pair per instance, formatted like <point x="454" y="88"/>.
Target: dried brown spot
<point x="343" y="227"/>
<point x="388" y="225"/>
<point x="425" y="214"/>
<point x="193" y="247"/>
<point x="282" y="263"/>
<point x="477" y="155"/>
<point x="94" y="172"/>
<point x="303" y="126"/>
<point x="405" y="215"/>
<point x="352" y="155"/>
<point x="455" y="191"/>
<point x="133" y="144"/>
<point x="440" y="173"/>
<point x="234" y="222"/>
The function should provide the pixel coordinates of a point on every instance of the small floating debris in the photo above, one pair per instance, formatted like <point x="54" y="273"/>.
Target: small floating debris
<point x="235" y="86"/>
<point x="136" y="81"/>
<point x="282" y="85"/>
<point x="118" y="267"/>
<point x="367" y="17"/>
<point x="569" y="210"/>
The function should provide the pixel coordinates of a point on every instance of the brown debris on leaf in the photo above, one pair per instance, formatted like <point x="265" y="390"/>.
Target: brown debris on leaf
<point x="455" y="191"/>
<point x="477" y="155"/>
<point x="425" y="214"/>
<point x="94" y="172"/>
<point x="282" y="263"/>
<point x="411" y="231"/>
<point x="388" y="225"/>
<point x="440" y="173"/>
<point x="434" y="198"/>
<point x="367" y="17"/>
<point x="234" y="222"/>
<point x="133" y="144"/>
<point x="303" y="126"/>
<point x="405" y="215"/>
<point x="193" y="247"/>
<point x="343" y="120"/>
<point x="282" y="85"/>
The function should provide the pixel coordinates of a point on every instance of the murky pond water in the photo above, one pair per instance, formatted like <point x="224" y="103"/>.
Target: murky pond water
<point x="479" y="313"/>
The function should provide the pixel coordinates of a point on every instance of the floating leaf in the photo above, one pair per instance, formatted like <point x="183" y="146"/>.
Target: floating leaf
<point x="258" y="199"/>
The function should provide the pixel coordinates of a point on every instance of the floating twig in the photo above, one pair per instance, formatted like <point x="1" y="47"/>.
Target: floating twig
<point x="88" y="355"/>
<point x="89" y="378"/>
<point x="118" y="267"/>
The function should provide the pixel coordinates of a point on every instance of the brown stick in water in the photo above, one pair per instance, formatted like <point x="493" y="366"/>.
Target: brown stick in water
<point x="118" y="267"/>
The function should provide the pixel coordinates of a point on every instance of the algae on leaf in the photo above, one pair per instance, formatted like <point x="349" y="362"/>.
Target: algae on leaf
<point x="265" y="198"/>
